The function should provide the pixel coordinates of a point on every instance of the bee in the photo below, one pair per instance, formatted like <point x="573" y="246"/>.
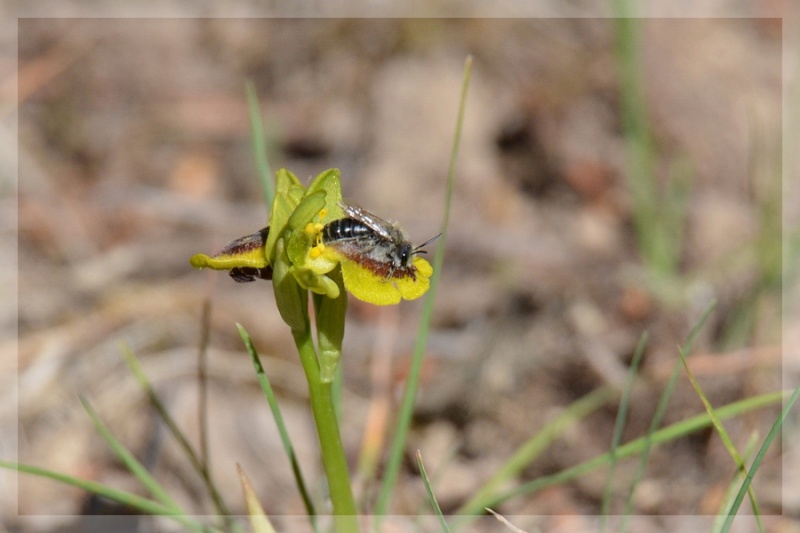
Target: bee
<point x="380" y="246"/>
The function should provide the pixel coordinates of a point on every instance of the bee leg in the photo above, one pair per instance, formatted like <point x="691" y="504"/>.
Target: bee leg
<point x="248" y="274"/>
<point x="391" y="268"/>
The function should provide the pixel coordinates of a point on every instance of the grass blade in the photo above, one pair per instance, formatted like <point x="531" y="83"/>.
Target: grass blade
<point x="412" y="384"/>
<point x="733" y="488"/>
<point x="183" y="442"/>
<point x="202" y="382"/>
<point x="531" y="449"/>
<point x="659" y="213"/>
<point x="619" y="425"/>
<point x="658" y="416"/>
<point x="723" y="434"/>
<point x="667" y="434"/>
<point x="120" y="496"/>
<point x="133" y="465"/>
<point x="776" y="427"/>
<point x="431" y="496"/>
<point x="279" y="422"/>
<point x="259" y="143"/>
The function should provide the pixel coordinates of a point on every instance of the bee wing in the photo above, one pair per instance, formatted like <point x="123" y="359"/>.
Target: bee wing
<point x="371" y="220"/>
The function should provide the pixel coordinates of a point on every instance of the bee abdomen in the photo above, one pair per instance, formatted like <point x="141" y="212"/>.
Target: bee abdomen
<point x="345" y="228"/>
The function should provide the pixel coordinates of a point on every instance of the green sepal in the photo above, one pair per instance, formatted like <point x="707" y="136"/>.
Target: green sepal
<point x="292" y="301"/>
<point x="288" y="192"/>
<point x="278" y="217"/>
<point x="288" y="185"/>
<point x="330" y="327"/>
<point x="286" y="181"/>
<point x="329" y="182"/>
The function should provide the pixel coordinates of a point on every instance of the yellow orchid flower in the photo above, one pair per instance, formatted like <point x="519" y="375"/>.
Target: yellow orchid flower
<point x="320" y="232"/>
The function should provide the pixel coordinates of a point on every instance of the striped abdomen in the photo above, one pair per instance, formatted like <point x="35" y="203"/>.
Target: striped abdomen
<point x="346" y="228"/>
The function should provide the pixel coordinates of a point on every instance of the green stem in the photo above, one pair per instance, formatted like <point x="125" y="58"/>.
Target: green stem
<point x="333" y="457"/>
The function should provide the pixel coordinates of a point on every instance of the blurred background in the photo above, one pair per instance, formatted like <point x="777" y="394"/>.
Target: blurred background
<point x="612" y="179"/>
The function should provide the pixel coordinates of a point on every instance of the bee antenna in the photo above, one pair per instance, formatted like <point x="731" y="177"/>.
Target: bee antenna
<point x="418" y="249"/>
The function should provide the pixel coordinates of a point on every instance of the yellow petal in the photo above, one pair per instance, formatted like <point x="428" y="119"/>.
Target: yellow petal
<point x="366" y="286"/>
<point x="411" y="289"/>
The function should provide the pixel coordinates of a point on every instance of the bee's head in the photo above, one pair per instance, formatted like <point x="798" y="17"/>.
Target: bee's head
<point x="406" y="251"/>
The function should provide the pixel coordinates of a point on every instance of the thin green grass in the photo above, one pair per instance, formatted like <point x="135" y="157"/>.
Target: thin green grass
<point x="619" y="425"/>
<point x="259" y="143"/>
<point x="164" y="505"/>
<point x="431" y="496"/>
<point x="400" y="437"/>
<point x="726" y="439"/>
<point x="434" y="479"/>
<point x="122" y="497"/>
<point x="202" y="382"/>
<point x="667" y="434"/>
<point x="658" y="416"/>
<point x="131" y="463"/>
<point x="188" y="450"/>
<point x="764" y="253"/>
<point x="263" y="380"/>
<point x="533" y="448"/>
<point x="659" y="212"/>
<point x="762" y="452"/>
<point x="488" y="496"/>
<point x="733" y="488"/>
